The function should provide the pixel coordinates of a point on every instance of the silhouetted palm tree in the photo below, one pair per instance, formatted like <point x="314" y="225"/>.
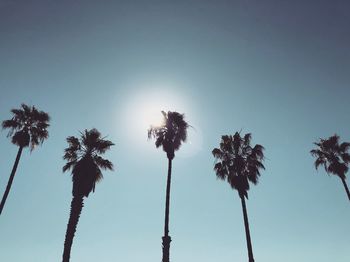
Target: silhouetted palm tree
<point x="170" y="135"/>
<point x="334" y="157"/>
<point x="83" y="157"/>
<point x="27" y="128"/>
<point x="238" y="163"/>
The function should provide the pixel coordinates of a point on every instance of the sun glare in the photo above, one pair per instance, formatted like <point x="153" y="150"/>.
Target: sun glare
<point x="150" y="115"/>
<point x="144" y="110"/>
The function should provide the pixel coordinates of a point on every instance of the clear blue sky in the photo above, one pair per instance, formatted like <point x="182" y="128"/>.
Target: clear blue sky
<point x="277" y="69"/>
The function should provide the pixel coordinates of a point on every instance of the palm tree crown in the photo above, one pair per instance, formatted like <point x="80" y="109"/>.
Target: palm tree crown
<point x="83" y="156"/>
<point x="28" y="126"/>
<point x="332" y="155"/>
<point x="171" y="133"/>
<point x="238" y="162"/>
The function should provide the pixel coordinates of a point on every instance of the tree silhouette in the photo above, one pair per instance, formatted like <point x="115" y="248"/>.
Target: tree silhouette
<point x="334" y="157"/>
<point x="27" y="128"/>
<point x="238" y="163"/>
<point x="170" y="135"/>
<point x="83" y="157"/>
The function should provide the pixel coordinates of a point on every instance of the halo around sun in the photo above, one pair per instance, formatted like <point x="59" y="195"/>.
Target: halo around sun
<point x="143" y="110"/>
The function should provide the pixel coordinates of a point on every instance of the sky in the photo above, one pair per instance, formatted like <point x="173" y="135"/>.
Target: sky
<point x="277" y="69"/>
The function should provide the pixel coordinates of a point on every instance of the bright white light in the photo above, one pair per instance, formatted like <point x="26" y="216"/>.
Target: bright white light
<point x="150" y="115"/>
<point x="143" y="110"/>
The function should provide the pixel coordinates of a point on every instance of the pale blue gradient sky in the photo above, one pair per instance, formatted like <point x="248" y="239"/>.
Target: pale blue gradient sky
<point x="278" y="69"/>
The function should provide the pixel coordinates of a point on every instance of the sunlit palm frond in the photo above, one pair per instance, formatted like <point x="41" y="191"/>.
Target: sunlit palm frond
<point x="159" y="140"/>
<point x="171" y="133"/>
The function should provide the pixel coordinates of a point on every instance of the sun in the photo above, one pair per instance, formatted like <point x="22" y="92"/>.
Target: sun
<point x="144" y="110"/>
<point x="150" y="115"/>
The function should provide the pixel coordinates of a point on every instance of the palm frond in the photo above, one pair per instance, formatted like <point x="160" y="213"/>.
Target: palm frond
<point x="345" y="157"/>
<point x="11" y="123"/>
<point x="21" y="138"/>
<point x="18" y="114"/>
<point x="103" y="145"/>
<point x="344" y="147"/>
<point x="258" y="150"/>
<point x="217" y="153"/>
<point x="237" y="162"/>
<point x="68" y="165"/>
<point x="73" y="142"/>
<point x="171" y="133"/>
<point x="333" y="156"/>
<point x="103" y="163"/>
<point x="319" y="161"/>
<point x="220" y="171"/>
<point x="90" y="138"/>
<point x="27" y="121"/>
<point x="247" y="138"/>
<point x="83" y="157"/>
<point x="40" y="116"/>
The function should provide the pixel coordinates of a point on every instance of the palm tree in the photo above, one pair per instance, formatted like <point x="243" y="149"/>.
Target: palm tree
<point x="27" y="128"/>
<point x="170" y="135"/>
<point x="83" y="157"/>
<point x="334" y="157"/>
<point x="238" y="163"/>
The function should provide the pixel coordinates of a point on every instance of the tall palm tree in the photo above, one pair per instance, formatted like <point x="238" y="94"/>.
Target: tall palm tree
<point x="27" y="128"/>
<point x="238" y="163"/>
<point x="334" y="156"/>
<point x="170" y="135"/>
<point x="83" y="157"/>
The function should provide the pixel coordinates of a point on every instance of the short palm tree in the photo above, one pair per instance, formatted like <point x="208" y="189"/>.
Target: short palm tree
<point x="238" y="163"/>
<point x="334" y="157"/>
<point x="170" y="135"/>
<point x="83" y="157"/>
<point x="27" y="128"/>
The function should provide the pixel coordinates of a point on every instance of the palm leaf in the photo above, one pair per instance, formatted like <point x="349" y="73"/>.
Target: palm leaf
<point x="237" y="162"/>
<point x="83" y="157"/>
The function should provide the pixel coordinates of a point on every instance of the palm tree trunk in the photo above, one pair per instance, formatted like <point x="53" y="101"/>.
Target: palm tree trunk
<point x="9" y="183"/>
<point x="75" y="211"/>
<point x="247" y="233"/>
<point x="166" y="238"/>
<point x="346" y="187"/>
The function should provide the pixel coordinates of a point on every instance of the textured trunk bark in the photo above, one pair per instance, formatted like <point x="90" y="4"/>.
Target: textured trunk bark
<point x="166" y="238"/>
<point x="346" y="187"/>
<point x="9" y="183"/>
<point x="247" y="233"/>
<point x="75" y="211"/>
